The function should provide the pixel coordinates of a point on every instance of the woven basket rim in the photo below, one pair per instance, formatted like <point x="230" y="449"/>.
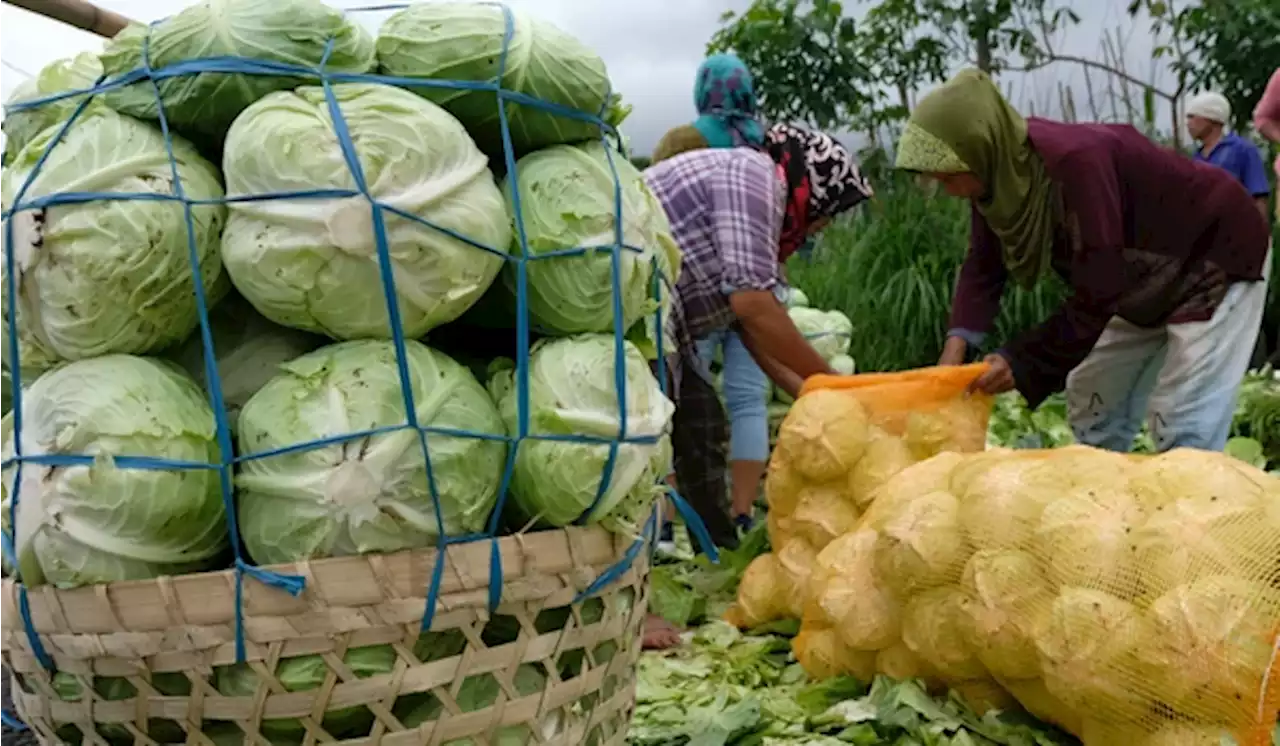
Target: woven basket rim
<point x="207" y="598"/>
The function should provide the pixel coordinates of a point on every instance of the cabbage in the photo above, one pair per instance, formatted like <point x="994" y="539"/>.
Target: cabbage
<point x="567" y="202"/>
<point x="921" y="544"/>
<point x="842" y="365"/>
<point x="73" y="74"/>
<point x="106" y="277"/>
<point x="312" y="263"/>
<point x="884" y="457"/>
<point x="463" y="41"/>
<point x="829" y="332"/>
<point x="305" y="673"/>
<point x="203" y="106"/>
<point x="824" y="436"/>
<point x="573" y="391"/>
<point x="846" y="593"/>
<point x="368" y="494"/>
<point x="1086" y="535"/>
<point x="1006" y="600"/>
<point x="934" y="626"/>
<point x="1092" y="649"/>
<point x="1212" y="646"/>
<point x="85" y="524"/>
<point x="481" y="692"/>
<point x="249" y="350"/>
<point x="797" y="299"/>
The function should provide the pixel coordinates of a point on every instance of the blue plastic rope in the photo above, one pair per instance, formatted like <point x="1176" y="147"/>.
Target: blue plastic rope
<point x="10" y="722"/>
<point x="325" y="78"/>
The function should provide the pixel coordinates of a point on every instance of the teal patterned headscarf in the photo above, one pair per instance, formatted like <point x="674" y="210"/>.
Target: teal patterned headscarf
<point x="726" y="99"/>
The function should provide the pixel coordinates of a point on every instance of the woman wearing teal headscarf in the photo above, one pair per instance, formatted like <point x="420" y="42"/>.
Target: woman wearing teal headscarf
<point x="728" y="117"/>
<point x="725" y="97"/>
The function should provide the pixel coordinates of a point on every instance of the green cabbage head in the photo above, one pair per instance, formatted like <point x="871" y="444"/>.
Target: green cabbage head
<point x="72" y="74"/>
<point x="80" y="525"/>
<point x="249" y="350"/>
<point x="572" y="392"/>
<point x="203" y="106"/>
<point x="828" y="331"/>
<point x="369" y="494"/>
<point x="463" y="41"/>
<point x="106" y="277"/>
<point x="312" y="264"/>
<point x="567" y="201"/>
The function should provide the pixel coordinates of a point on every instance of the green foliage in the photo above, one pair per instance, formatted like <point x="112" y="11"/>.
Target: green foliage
<point x="806" y="57"/>
<point x="813" y="63"/>
<point x="1232" y="46"/>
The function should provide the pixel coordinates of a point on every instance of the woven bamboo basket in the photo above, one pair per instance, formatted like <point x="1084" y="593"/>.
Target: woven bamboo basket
<point x="152" y="633"/>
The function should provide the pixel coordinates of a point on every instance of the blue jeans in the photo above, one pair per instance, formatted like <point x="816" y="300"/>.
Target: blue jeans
<point x="1183" y="377"/>
<point x="746" y="389"/>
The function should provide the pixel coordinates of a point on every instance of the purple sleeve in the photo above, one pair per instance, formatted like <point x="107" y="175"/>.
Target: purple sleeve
<point x="980" y="284"/>
<point x="746" y="219"/>
<point x="1042" y="357"/>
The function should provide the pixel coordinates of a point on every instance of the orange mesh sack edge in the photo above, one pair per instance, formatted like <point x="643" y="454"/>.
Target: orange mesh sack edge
<point x="844" y="438"/>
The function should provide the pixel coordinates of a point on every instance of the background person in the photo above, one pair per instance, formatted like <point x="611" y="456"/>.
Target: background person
<point x="737" y="214"/>
<point x="1166" y="259"/>
<point x="1207" y="117"/>
<point x="724" y="95"/>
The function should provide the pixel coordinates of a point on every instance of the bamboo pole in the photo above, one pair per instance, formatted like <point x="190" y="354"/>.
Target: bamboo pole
<point x="79" y="13"/>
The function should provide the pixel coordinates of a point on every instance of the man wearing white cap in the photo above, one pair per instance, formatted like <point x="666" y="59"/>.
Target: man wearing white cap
<point x="1207" y="117"/>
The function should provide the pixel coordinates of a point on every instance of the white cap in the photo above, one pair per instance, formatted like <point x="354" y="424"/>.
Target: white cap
<point x="1211" y="106"/>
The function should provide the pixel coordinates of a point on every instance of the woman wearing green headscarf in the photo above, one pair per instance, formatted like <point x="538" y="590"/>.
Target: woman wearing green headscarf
<point x="1165" y="258"/>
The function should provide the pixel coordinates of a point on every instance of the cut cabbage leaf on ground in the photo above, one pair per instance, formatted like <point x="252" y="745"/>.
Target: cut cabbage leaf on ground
<point x="724" y="687"/>
<point x="372" y="493"/>
<point x="573" y="392"/>
<point x="85" y="524"/>
<point x="61" y="76"/>
<point x="313" y="264"/>
<point x="464" y="41"/>
<point x="111" y="276"/>
<point x="202" y="106"/>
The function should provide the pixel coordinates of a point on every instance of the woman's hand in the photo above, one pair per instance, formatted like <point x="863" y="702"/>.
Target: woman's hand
<point x="997" y="380"/>
<point x="953" y="351"/>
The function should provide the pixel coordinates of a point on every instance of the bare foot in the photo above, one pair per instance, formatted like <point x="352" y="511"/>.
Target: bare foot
<point x="659" y="634"/>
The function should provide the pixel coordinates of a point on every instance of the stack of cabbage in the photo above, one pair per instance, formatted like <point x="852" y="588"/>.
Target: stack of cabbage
<point x="1127" y="599"/>
<point x="836" y="449"/>
<point x="310" y="379"/>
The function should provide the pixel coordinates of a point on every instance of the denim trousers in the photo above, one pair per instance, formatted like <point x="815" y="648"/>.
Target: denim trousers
<point x="746" y="390"/>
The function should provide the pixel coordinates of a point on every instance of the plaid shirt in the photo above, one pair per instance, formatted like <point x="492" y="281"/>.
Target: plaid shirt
<point x="726" y="208"/>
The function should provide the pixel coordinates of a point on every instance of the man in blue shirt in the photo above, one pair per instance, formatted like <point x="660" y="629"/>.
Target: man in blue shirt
<point x="1207" y="117"/>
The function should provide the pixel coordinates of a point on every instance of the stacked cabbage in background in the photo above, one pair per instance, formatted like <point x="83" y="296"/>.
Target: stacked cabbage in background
<point x="1126" y="599"/>
<point x="835" y="451"/>
<point x="112" y="359"/>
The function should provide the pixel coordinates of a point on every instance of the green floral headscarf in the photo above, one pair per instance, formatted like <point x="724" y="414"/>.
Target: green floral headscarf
<point x="967" y="126"/>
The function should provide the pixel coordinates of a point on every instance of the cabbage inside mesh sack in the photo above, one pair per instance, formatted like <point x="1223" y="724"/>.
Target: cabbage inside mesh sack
<point x="1127" y="599"/>
<point x="109" y="276"/>
<point x="573" y="391"/>
<point x="369" y="493"/>
<point x="843" y="441"/>
<point x="313" y="264"/>
<point x="97" y="523"/>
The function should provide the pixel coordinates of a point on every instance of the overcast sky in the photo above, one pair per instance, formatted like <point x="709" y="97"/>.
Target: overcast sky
<point x="652" y="48"/>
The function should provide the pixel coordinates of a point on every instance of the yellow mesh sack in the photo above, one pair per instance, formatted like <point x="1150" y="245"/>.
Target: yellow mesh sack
<point x="844" y="439"/>
<point x="1128" y="600"/>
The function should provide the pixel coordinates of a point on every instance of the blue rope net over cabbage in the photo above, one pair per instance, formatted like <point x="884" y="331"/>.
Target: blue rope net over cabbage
<point x="291" y="583"/>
